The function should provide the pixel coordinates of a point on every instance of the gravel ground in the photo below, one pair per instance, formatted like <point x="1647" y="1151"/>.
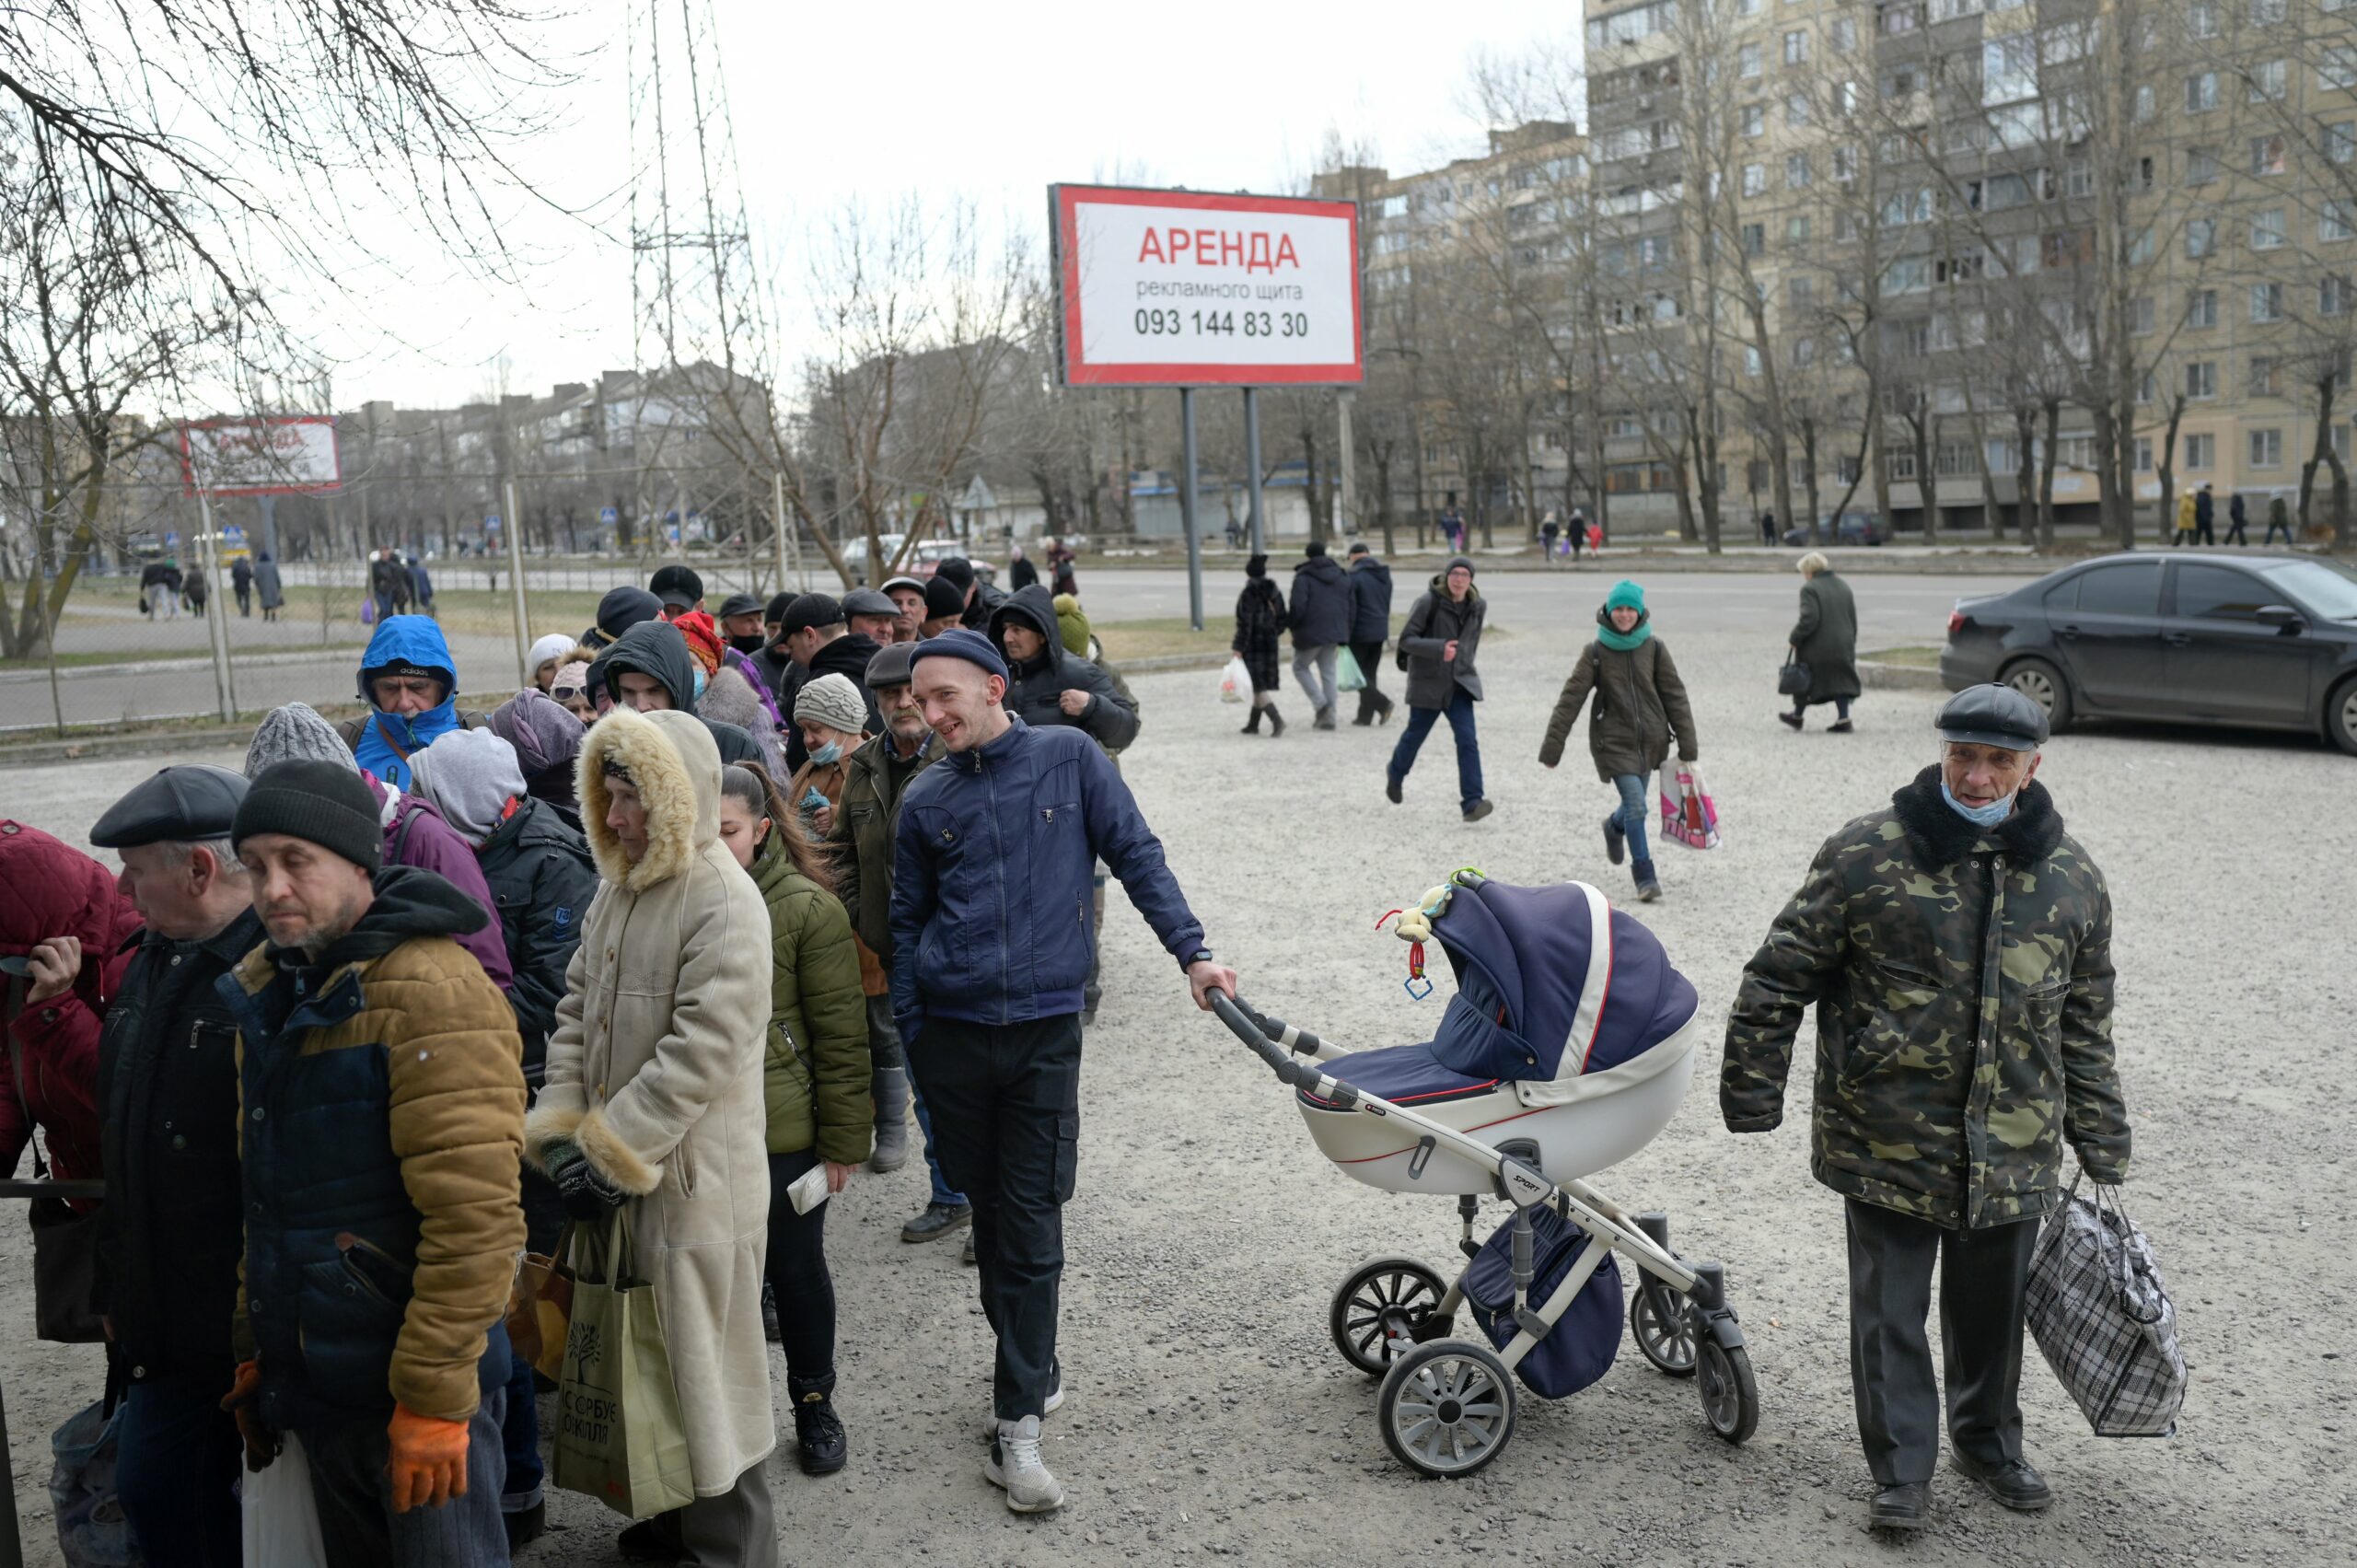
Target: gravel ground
<point x="1209" y="1414"/>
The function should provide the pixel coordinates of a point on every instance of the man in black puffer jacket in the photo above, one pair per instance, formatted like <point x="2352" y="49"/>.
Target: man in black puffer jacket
<point x="1320" y="615"/>
<point x="1049" y="686"/>
<point x="1370" y="584"/>
<point x="173" y="1221"/>
<point x="649" y="667"/>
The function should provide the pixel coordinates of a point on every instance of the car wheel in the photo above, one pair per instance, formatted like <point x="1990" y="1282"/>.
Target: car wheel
<point x="2043" y="684"/>
<point x="2340" y="717"/>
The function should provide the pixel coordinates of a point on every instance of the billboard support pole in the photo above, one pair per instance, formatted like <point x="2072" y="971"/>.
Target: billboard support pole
<point x="1186" y="508"/>
<point x="1253" y="465"/>
<point x="777" y="512"/>
<point x="216" y="625"/>
<point x="513" y="522"/>
<point x="1347" y="524"/>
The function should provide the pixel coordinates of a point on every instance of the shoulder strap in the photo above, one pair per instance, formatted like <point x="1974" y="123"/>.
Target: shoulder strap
<point x="401" y="837"/>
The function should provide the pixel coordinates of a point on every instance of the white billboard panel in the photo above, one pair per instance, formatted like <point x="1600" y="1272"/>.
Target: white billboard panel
<point x="277" y="456"/>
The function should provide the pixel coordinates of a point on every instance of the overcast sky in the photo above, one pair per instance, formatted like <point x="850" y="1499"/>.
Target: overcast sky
<point x="878" y="99"/>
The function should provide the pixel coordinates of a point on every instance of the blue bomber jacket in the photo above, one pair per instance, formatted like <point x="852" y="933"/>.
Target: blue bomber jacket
<point x="992" y="879"/>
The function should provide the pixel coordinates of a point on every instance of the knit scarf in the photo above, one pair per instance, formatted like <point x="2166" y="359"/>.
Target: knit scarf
<point x="1622" y="642"/>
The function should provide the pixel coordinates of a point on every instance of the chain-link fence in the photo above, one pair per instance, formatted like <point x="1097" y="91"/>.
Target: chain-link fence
<point x="164" y="640"/>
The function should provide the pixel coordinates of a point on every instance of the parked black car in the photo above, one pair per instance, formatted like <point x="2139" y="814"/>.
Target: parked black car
<point x="1850" y="527"/>
<point x="2268" y="642"/>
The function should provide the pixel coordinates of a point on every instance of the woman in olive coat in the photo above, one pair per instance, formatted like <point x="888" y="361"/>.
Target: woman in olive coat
<point x="1640" y="706"/>
<point x="1825" y="640"/>
<point x="815" y="1079"/>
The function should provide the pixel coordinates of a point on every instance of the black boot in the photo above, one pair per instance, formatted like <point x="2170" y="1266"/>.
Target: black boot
<point x="770" y="1330"/>
<point x="1648" y="886"/>
<point x="818" y="1430"/>
<point x="1252" y="725"/>
<point x="1276" y="722"/>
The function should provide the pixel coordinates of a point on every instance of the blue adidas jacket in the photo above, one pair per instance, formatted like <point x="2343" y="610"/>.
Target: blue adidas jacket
<point x="992" y="875"/>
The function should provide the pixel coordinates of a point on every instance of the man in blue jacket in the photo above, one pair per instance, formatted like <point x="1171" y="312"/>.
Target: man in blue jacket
<point x="991" y="933"/>
<point x="409" y="677"/>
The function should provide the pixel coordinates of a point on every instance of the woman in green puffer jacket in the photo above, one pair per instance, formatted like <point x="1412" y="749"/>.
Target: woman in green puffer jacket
<point x="815" y="1078"/>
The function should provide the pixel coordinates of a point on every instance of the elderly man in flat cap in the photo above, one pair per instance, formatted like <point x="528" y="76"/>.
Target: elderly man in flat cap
<point x="170" y="1231"/>
<point x="1956" y="946"/>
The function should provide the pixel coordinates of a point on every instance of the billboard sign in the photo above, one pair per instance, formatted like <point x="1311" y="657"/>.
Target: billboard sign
<point x="292" y="455"/>
<point x="1186" y="288"/>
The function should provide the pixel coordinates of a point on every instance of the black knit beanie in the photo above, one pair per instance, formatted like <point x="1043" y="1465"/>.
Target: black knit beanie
<point x="327" y="803"/>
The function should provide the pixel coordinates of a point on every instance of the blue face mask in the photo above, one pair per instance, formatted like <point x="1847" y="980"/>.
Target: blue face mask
<point x="700" y="679"/>
<point x="827" y="755"/>
<point x="1987" y="816"/>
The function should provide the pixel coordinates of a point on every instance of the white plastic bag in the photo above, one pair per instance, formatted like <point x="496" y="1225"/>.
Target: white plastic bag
<point x="1235" y="681"/>
<point x="280" y="1519"/>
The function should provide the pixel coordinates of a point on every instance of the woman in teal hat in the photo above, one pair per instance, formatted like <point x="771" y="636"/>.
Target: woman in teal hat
<point x="1640" y="706"/>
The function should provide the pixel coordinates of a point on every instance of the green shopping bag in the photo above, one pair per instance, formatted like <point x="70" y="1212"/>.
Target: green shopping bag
<point x="1347" y="674"/>
<point x="620" y="1437"/>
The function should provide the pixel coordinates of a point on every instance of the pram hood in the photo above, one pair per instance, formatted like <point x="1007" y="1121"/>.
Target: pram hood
<point x="1552" y="983"/>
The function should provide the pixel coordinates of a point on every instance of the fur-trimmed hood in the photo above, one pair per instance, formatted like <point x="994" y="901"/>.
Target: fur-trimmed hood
<point x="671" y="757"/>
<point x="1941" y="837"/>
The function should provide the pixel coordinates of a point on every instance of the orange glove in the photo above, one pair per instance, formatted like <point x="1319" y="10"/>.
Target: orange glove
<point x="428" y="1462"/>
<point x="262" y="1443"/>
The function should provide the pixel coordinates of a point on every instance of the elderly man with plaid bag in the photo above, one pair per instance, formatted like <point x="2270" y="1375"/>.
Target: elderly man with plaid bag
<point x="1956" y="946"/>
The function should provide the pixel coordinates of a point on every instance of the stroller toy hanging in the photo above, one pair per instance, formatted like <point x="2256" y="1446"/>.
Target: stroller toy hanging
<point x="1567" y="1048"/>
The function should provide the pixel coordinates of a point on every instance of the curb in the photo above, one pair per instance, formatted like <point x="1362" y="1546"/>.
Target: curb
<point x="175" y="666"/>
<point x="1899" y="677"/>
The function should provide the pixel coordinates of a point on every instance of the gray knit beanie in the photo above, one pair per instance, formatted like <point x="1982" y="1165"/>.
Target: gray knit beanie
<point x="470" y="775"/>
<point x="295" y="732"/>
<point x="833" y="701"/>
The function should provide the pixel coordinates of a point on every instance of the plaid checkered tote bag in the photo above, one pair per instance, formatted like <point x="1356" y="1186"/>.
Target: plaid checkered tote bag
<point x="2104" y="1320"/>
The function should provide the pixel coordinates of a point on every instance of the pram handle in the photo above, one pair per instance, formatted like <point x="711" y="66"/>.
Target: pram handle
<point x="1240" y="1016"/>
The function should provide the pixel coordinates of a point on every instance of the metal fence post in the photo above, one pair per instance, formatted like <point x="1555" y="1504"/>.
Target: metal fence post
<point x="1187" y="509"/>
<point x="515" y="527"/>
<point x="216" y="609"/>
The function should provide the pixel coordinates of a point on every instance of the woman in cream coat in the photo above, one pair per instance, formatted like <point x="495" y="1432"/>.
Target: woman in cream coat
<point x="654" y="1097"/>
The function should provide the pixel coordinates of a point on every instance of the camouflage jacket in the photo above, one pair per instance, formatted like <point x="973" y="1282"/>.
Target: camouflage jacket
<point x="1963" y="983"/>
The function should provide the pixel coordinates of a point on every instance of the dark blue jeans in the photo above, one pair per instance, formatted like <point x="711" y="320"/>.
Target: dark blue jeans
<point x="356" y="1498"/>
<point x="176" y="1465"/>
<point x="1468" y="748"/>
<point x="520" y="1435"/>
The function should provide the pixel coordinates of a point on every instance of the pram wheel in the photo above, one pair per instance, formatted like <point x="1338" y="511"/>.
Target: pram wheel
<point x="1446" y="1408"/>
<point x="1663" y="1329"/>
<point x="1383" y="1310"/>
<point x="1730" y="1397"/>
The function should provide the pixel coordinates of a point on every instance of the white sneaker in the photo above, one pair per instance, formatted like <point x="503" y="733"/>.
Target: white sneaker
<point x="1014" y="1464"/>
<point x="1047" y="1407"/>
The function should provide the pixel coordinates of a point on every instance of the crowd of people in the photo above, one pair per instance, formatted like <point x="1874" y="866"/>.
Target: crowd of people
<point x="455" y="985"/>
<point x="705" y="914"/>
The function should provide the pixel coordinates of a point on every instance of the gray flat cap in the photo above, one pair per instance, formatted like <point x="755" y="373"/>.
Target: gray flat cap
<point x="869" y="602"/>
<point x="1993" y="715"/>
<point x="894" y="665"/>
<point x="180" y="805"/>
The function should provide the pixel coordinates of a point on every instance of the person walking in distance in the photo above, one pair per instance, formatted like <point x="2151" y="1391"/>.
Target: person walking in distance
<point x="2236" y="520"/>
<point x="1260" y="622"/>
<point x="1437" y="648"/>
<point x="267" y="586"/>
<point x="1954" y="951"/>
<point x="1370" y="582"/>
<point x="1320" y="618"/>
<point x="1639" y="706"/>
<point x="1452" y="523"/>
<point x="862" y="841"/>
<point x="380" y="1109"/>
<point x="1577" y="529"/>
<point x="815" y="1079"/>
<point x="1825" y="640"/>
<point x="2205" y="515"/>
<point x="1768" y="529"/>
<point x="993" y="859"/>
<point x="2279" y="515"/>
<point x="656" y="1100"/>
<point x="172" y="1224"/>
<point x="1548" y="530"/>
<point x="241" y="582"/>
<point x="2189" y="528"/>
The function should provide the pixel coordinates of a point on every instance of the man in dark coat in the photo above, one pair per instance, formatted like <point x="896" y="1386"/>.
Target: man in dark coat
<point x="241" y="582"/>
<point x="981" y="598"/>
<point x="173" y="1224"/>
<point x="266" y="581"/>
<point x="2238" y="519"/>
<point x="1020" y="573"/>
<point x="2205" y="518"/>
<point x="1049" y="686"/>
<point x="1370" y="582"/>
<point x="1320" y="614"/>
<point x="1825" y="640"/>
<point x="1438" y="648"/>
<point x="1260" y="622"/>
<point x="993" y="861"/>
<point x="1956" y="947"/>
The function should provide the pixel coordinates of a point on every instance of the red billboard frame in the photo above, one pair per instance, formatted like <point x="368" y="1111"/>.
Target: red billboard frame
<point x="188" y="459"/>
<point x="1062" y="231"/>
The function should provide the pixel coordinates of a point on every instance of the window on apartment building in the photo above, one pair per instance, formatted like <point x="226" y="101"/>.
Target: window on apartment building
<point x="2201" y="19"/>
<point x="2147" y="173"/>
<point x="1755" y="239"/>
<point x="2267" y="79"/>
<point x="2268" y="230"/>
<point x="2147" y="104"/>
<point x="2266" y="303"/>
<point x="2202" y="92"/>
<point x="2140" y="314"/>
<point x="1800" y="293"/>
<point x="1841" y="36"/>
<point x="1755" y="119"/>
<point x="2144" y="454"/>
<point x="2200" y="237"/>
<point x="2333" y="296"/>
<point x="2337" y="67"/>
<point x="1796" y="112"/>
<point x="1796" y="48"/>
<point x="2336" y="220"/>
<point x="1395" y="206"/>
<point x="2341" y="141"/>
<point x="2201" y="307"/>
<point x="2265" y="376"/>
<point x="2146" y="390"/>
<point x="1755" y="180"/>
<point x="1906" y="206"/>
<point x="2067" y="248"/>
<point x="1804" y="353"/>
<point x="2266" y="449"/>
<point x="1902" y="467"/>
<point x="1845" y="226"/>
<point x="1747" y="8"/>
<point x="2201" y="378"/>
<point x="1894" y="18"/>
<point x="2200" y="166"/>
<point x="2200" y="453"/>
<point x="1796" y="171"/>
<point x="1747" y="59"/>
<point x="2269" y="13"/>
<point x="1796" y="229"/>
<point x="2266" y="155"/>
